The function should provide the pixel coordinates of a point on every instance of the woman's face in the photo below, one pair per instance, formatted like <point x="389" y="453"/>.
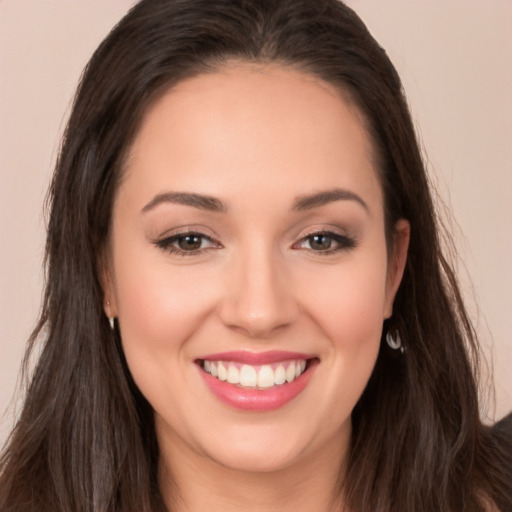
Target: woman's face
<point x="249" y="269"/>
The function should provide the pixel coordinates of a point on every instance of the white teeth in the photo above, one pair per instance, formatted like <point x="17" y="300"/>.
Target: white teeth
<point x="262" y="377"/>
<point x="290" y="373"/>
<point x="222" y="372"/>
<point x="248" y="376"/>
<point x="265" y="377"/>
<point x="233" y="374"/>
<point x="280" y="374"/>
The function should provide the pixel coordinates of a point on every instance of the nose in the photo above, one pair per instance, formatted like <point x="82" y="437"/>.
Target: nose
<point x="259" y="298"/>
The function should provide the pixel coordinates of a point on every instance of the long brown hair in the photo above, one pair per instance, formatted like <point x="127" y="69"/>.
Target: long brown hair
<point x="85" y="439"/>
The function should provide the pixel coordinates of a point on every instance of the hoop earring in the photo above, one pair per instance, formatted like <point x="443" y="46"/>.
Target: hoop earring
<point x="394" y="341"/>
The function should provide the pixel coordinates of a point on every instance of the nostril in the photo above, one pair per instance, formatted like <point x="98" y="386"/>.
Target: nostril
<point x="257" y="323"/>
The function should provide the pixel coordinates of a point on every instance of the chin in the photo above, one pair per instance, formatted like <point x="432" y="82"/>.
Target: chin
<point x="276" y="447"/>
<point x="257" y="457"/>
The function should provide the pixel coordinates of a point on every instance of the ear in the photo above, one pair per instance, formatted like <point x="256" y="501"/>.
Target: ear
<point x="106" y="275"/>
<point x="397" y="261"/>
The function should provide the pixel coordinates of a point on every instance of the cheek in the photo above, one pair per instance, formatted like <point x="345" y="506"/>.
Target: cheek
<point x="348" y="308"/>
<point x="349" y="302"/>
<point x="153" y="301"/>
<point x="159" y="304"/>
<point x="160" y="308"/>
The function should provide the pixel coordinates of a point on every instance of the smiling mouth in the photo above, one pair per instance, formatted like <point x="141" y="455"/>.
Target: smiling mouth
<point x="257" y="382"/>
<point x="248" y="376"/>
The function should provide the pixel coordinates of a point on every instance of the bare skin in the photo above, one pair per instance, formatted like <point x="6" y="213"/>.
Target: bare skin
<point x="225" y="489"/>
<point x="250" y="219"/>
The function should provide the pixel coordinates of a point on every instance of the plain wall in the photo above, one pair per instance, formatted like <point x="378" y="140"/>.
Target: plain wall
<point x="454" y="57"/>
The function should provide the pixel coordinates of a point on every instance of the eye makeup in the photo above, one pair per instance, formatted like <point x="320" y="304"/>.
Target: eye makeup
<point x="187" y="242"/>
<point x="325" y="242"/>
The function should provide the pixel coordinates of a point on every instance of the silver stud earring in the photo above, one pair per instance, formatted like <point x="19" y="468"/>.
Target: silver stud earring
<point x="394" y="341"/>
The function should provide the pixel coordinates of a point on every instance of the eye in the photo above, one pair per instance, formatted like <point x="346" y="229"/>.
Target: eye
<point x="325" y="242"/>
<point x="188" y="243"/>
<point x="191" y="242"/>
<point x="320" y="242"/>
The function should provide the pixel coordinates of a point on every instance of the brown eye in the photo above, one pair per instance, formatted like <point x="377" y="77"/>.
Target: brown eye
<point x="190" y="242"/>
<point x="320" y="242"/>
<point x="325" y="242"/>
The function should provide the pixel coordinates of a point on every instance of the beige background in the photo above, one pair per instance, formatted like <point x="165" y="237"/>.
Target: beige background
<point x="454" y="57"/>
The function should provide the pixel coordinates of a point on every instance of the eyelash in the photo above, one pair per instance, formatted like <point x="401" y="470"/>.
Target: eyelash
<point x="343" y="242"/>
<point x="169" y="244"/>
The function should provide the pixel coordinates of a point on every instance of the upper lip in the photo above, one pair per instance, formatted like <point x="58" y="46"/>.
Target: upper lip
<point x="256" y="358"/>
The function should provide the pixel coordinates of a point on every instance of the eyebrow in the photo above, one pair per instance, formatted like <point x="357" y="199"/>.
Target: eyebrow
<point x="310" y="201"/>
<point x="188" y="199"/>
<point x="208" y="203"/>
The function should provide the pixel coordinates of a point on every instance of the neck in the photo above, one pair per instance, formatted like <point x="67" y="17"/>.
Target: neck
<point x="198" y="483"/>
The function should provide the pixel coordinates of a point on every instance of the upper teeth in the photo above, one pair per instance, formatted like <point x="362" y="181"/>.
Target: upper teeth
<point x="250" y="376"/>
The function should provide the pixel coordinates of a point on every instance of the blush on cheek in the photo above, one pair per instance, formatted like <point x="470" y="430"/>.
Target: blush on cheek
<point x="356" y="312"/>
<point x="159" y="301"/>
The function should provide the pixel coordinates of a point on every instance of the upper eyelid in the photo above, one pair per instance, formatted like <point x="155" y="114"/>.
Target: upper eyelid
<point x="178" y="235"/>
<point x="186" y="230"/>
<point x="325" y="230"/>
<point x="345" y="240"/>
<point x="202" y="231"/>
<point x="331" y="234"/>
<point x="169" y="244"/>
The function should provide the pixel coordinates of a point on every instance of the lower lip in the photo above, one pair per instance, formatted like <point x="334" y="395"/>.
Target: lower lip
<point x="258" y="400"/>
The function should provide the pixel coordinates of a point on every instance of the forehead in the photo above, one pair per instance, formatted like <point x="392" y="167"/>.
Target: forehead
<point x="250" y="124"/>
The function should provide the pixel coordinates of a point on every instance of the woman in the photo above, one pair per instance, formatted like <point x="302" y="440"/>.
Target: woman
<point x="247" y="305"/>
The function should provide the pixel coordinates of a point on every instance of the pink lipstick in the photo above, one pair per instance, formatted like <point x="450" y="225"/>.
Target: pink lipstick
<point x="253" y="381"/>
